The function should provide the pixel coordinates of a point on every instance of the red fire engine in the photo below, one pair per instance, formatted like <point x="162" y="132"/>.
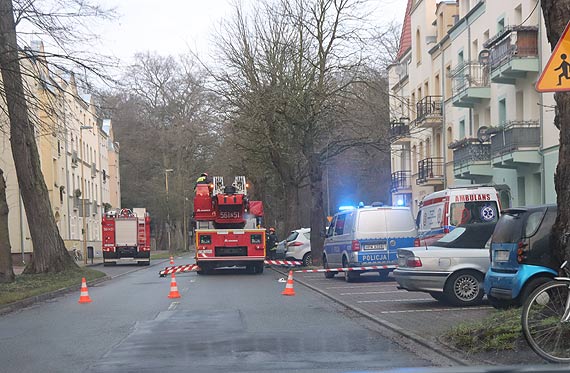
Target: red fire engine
<point x="226" y="227"/>
<point x="126" y="236"/>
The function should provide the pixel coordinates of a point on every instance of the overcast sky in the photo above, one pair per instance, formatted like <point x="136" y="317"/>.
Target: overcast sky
<point x="173" y="26"/>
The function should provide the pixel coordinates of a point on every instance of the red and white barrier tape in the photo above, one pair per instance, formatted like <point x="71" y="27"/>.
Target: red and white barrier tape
<point x="371" y="268"/>
<point x="284" y="262"/>
<point x="177" y="269"/>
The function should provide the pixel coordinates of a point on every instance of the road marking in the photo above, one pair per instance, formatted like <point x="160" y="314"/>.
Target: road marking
<point x="397" y="300"/>
<point x="360" y="287"/>
<point x="375" y="292"/>
<point x="439" y="309"/>
<point x="173" y="306"/>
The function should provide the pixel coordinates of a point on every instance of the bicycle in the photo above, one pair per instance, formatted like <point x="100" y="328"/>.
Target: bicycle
<point x="546" y="319"/>
<point x="77" y="256"/>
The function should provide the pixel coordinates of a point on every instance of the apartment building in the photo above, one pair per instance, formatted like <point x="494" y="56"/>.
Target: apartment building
<point x="464" y="110"/>
<point x="74" y="154"/>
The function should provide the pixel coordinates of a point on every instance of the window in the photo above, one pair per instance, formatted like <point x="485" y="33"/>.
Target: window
<point x="473" y="212"/>
<point x="462" y="129"/>
<point x="418" y="47"/>
<point x="339" y="226"/>
<point x="501" y="25"/>
<point x="502" y="111"/>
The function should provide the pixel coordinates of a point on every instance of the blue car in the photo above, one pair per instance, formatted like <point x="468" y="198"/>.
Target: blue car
<point x="522" y="257"/>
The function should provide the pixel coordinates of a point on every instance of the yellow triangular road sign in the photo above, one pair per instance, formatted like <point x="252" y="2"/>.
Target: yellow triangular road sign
<point x="556" y="74"/>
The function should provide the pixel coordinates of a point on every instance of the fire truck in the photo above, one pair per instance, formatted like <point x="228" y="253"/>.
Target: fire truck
<point x="226" y="223"/>
<point x="126" y="236"/>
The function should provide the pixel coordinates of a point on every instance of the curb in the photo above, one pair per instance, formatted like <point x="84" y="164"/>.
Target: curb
<point x="415" y="338"/>
<point x="20" y="304"/>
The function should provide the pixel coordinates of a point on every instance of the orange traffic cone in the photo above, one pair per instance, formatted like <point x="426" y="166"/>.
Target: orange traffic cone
<point x="171" y="260"/>
<point x="289" y="287"/>
<point x="84" y="296"/>
<point x="173" y="288"/>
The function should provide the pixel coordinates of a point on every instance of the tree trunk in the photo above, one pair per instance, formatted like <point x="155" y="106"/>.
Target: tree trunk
<point x="317" y="211"/>
<point x="6" y="270"/>
<point x="291" y="208"/>
<point x="556" y="15"/>
<point x="50" y="254"/>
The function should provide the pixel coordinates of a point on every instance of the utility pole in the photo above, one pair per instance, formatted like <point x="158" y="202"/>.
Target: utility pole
<point x="166" y="171"/>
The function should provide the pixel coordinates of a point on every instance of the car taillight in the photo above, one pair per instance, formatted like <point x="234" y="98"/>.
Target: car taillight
<point x="521" y="252"/>
<point x="355" y="245"/>
<point x="413" y="262"/>
<point x="417" y="242"/>
<point x="295" y="243"/>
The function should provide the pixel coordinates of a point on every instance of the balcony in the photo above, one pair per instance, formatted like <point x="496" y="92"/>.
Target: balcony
<point x="515" y="144"/>
<point x="429" y="112"/>
<point x="513" y="54"/>
<point x="430" y="171"/>
<point x="470" y="84"/>
<point x="74" y="159"/>
<point x="472" y="160"/>
<point x="399" y="132"/>
<point x="401" y="180"/>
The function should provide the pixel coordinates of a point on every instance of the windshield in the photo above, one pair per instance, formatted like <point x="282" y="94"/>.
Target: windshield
<point x="470" y="236"/>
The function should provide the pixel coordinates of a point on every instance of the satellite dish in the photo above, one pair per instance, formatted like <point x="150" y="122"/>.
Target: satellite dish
<point x="484" y="57"/>
<point x="483" y="134"/>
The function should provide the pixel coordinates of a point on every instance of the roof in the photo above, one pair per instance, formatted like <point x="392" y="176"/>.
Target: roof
<point x="406" y="36"/>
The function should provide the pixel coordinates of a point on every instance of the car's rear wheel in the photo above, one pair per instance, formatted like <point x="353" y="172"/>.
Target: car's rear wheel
<point x="464" y="288"/>
<point x="326" y="266"/>
<point x="307" y="260"/>
<point x="529" y="287"/>
<point x="349" y="276"/>
<point x="501" y="304"/>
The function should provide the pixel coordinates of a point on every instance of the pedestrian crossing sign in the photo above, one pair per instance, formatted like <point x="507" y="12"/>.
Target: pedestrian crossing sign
<point x="556" y="74"/>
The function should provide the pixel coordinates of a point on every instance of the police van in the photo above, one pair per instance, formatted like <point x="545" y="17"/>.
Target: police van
<point x="440" y="212"/>
<point x="367" y="236"/>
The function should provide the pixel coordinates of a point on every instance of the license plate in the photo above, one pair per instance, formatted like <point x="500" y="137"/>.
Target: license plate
<point x="502" y="256"/>
<point x="375" y="247"/>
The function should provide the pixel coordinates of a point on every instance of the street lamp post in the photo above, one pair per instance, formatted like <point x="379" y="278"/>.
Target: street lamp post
<point x="84" y="229"/>
<point x="166" y="171"/>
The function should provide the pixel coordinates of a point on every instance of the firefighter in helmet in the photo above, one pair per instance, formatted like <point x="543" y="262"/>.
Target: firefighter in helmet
<point x="271" y="243"/>
<point x="203" y="179"/>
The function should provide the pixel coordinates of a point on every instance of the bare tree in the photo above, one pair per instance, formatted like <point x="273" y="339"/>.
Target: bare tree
<point x="290" y="75"/>
<point x="6" y="270"/>
<point x="64" y="23"/>
<point x="556" y="15"/>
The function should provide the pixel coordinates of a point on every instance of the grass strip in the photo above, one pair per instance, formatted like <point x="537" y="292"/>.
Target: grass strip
<point x="499" y="331"/>
<point x="26" y="285"/>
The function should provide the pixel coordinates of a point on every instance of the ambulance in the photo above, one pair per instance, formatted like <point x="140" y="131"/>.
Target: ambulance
<point x="440" y="212"/>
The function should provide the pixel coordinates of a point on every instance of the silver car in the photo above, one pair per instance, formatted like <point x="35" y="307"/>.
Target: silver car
<point x="452" y="269"/>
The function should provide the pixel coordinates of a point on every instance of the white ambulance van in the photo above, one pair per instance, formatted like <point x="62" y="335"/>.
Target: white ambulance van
<point x="440" y="212"/>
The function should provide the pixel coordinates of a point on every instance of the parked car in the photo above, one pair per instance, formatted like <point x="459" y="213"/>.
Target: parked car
<point x="522" y="257"/>
<point x="281" y="250"/>
<point x="452" y="269"/>
<point x="298" y="245"/>
<point x="367" y="236"/>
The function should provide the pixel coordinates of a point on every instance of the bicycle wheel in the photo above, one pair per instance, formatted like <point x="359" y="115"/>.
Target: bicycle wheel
<point x="542" y="323"/>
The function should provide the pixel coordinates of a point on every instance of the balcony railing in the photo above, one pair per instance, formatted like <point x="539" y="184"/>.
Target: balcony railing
<point x="399" y="129"/>
<point x="471" y="151"/>
<point x="430" y="169"/>
<point x="429" y="108"/>
<point x="469" y="75"/>
<point x="401" y="180"/>
<point x="513" y="42"/>
<point x="515" y="136"/>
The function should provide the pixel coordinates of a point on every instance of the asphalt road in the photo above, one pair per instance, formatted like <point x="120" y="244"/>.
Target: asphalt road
<point x="224" y="322"/>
